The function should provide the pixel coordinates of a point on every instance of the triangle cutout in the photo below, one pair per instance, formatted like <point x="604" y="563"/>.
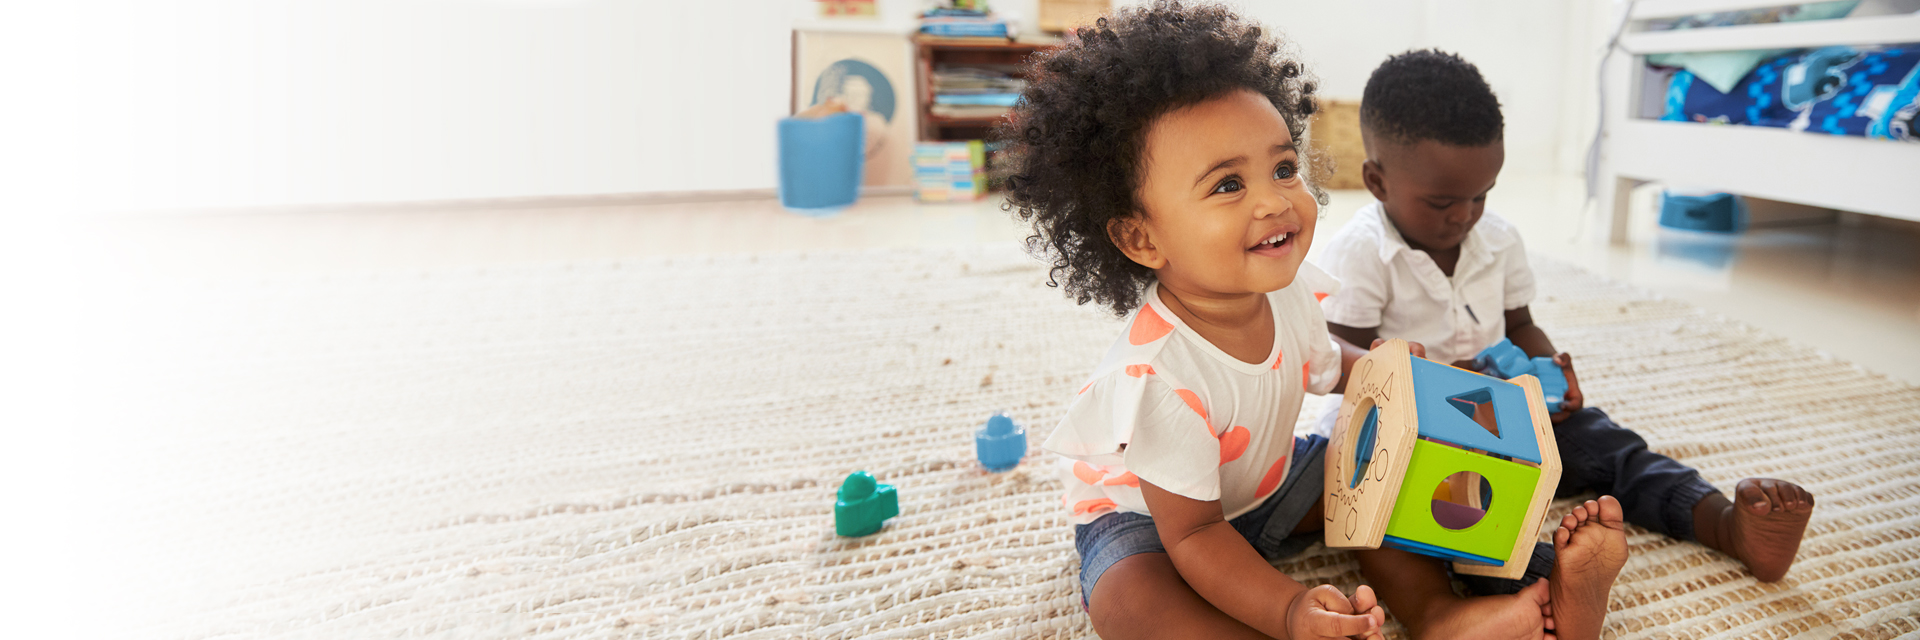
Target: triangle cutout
<point x="1477" y="405"/>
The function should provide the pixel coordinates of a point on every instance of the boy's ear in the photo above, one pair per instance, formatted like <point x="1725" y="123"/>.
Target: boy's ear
<point x="1370" y="174"/>
<point x="1130" y="235"/>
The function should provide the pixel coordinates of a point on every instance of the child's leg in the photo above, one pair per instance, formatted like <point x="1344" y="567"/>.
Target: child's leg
<point x="1589" y="548"/>
<point x="1416" y="590"/>
<point x="1143" y="596"/>
<point x="1665" y="496"/>
<point x="1588" y="551"/>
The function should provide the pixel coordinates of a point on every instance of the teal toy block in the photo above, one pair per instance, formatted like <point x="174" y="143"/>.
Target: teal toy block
<point x="1000" y="443"/>
<point x="1503" y="360"/>
<point x="864" y="504"/>
<point x="1553" y="382"/>
<point x="1506" y="362"/>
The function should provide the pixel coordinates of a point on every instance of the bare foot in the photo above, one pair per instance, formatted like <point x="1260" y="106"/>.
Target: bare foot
<point x="1589" y="548"/>
<point x="1521" y="615"/>
<point x="1761" y="526"/>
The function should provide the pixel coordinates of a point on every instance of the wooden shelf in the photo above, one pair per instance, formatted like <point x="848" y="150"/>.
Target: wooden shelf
<point x="934" y="52"/>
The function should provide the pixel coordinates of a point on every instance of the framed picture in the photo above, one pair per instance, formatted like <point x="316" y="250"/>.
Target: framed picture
<point x="872" y="73"/>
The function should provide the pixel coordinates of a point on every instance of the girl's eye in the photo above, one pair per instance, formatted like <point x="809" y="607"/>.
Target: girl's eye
<point x="1283" y="172"/>
<point x="1228" y="185"/>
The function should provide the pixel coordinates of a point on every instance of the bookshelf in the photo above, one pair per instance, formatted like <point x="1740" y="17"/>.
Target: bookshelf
<point x="935" y="52"/>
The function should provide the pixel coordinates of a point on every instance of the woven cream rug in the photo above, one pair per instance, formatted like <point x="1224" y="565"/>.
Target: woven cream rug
<point x="650" y="449"/>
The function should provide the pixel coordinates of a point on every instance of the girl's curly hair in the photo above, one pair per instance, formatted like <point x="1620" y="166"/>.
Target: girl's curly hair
<point x="1074" y="142"/>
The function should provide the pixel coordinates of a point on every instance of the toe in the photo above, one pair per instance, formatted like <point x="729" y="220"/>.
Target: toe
<point x="1610" y="512"/>
<point x="1775" y="501"/>
<point x="1751" y="496"/>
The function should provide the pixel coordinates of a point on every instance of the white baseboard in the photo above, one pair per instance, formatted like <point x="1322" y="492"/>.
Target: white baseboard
<point x="491" y="204"/>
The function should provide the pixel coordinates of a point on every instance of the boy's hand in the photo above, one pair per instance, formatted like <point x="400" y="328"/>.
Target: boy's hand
<point x="1572" y="401"/>
<point x="1322" y="612"/>
<point x="1418" y="350"/>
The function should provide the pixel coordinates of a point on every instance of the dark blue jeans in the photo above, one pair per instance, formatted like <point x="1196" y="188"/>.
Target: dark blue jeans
<point x="1657" y="492"/>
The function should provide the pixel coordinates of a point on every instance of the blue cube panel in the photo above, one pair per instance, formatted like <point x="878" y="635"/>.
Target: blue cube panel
<point x="1434" y="383"/>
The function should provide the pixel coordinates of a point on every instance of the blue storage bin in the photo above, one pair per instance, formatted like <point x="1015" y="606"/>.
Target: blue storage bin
<point x="821" y="161"/>
<point x="1718" y="212"/>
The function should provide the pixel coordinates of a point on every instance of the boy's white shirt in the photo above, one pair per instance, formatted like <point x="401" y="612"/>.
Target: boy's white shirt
<point x="1168" y="407"/>
<point x="1388" y="285"/>
<point x="1402" y="292"/>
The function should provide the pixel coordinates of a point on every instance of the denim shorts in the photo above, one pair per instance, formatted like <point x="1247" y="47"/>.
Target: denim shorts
<point x="1269" y="527"/>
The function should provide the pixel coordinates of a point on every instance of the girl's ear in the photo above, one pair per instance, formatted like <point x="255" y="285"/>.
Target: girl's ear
<point x="1131" y="236"/>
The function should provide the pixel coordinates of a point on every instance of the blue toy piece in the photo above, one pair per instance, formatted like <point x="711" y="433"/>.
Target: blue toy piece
<point x="1506" y="362"/>
<point x="1553" y="382"/>
<point x="864" y="504"/>
<point x="1000" y="443"/>
<point x="1503" y="360"/>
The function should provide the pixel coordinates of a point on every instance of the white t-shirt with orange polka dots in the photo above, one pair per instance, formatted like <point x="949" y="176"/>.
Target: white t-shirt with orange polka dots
<point x="1169" y="407"/>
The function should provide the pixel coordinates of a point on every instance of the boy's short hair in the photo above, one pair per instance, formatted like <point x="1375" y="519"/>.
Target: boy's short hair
<point x="1430" y="95"/>
<point x="1074" y="142"/>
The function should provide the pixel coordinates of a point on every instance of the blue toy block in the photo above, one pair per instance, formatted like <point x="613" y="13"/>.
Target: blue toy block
<point x="1442" y="392"/>
<point x="1000" y="444"/>
<point x="1503" y="360"/>
<point x="864" y="504"/>
<point x="1553" y="382"/>
<point x="1506" y="362"/>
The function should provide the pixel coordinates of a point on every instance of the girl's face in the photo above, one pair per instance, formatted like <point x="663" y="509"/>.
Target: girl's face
<point x="1227" y="211"/>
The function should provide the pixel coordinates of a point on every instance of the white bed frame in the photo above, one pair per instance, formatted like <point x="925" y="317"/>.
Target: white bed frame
<point x="1879" y="177"/>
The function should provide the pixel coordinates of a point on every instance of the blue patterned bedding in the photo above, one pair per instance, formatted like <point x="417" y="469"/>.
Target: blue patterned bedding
<point x="1847" y="91"/>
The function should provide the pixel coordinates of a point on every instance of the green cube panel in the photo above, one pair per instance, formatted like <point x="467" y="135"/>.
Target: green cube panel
<point x="1494" y="534"/>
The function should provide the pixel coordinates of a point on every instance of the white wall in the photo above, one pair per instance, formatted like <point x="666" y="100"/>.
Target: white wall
<point x="196" y="103"/>
<point x="237" y="102"/>
<point x="1520" y="46"/>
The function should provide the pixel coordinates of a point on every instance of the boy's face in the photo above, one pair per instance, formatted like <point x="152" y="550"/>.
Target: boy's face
<point x="1220" y="179"/>
<point x="1434" y="192"/>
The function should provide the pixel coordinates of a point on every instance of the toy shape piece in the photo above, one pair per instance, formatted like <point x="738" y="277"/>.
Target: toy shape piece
<point x="1503" y="360"/>
<point x="864" y="504"/>
<point x="1553" y="382"/>
<point x="1491" y="536"/>
<point x="1541" y="498"/>
<point x="1360" y="489"/>
<point x="1000" y="443"/>
<point x="1436" y="384"/>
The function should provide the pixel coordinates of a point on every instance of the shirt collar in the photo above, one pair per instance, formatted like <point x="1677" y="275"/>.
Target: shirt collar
<point x="1476" y="250"/>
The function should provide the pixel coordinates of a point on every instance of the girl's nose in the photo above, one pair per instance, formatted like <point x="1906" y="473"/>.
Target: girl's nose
<point x="1270" y="201"/>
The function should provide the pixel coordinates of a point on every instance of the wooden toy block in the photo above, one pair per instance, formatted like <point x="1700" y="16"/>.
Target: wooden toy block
<point x="1440" y="461"/>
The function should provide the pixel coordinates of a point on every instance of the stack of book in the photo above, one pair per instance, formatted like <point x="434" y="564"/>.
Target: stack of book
<point x="965" y="23"/>
<point x="950" y="171"/>
<point x="974" y="92"/>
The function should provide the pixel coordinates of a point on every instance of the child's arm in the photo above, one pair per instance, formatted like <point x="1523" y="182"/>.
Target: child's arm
<point x="1220" y="566"/>
<point x="1532" y="339"/>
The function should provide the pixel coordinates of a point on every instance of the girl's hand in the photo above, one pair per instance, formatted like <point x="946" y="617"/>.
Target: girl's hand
<point x="1323" y="612"/>
<point x="1572" y="401"/>
<point x="1418" y="350"/>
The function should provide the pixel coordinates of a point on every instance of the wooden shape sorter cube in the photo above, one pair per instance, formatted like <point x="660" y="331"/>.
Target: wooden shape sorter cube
<point x="1440" y="461"/>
